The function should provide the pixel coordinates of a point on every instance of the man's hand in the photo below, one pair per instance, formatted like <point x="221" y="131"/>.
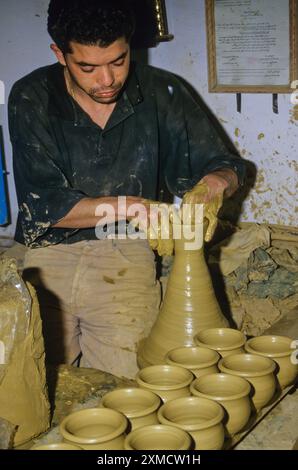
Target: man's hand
<point x="158" y="226"/>
<point x="210" y="192"/>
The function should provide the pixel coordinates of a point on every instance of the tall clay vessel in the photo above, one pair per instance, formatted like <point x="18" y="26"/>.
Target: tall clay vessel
<point x="189" y="304"/>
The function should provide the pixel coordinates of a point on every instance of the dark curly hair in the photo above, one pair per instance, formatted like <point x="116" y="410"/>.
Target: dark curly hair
<point x="89" y="22"/>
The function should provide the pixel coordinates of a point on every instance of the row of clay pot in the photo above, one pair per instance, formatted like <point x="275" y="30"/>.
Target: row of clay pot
<point x="200" y="405"/>
<point x="227" y="341"/>
<point x="138" y="422"/>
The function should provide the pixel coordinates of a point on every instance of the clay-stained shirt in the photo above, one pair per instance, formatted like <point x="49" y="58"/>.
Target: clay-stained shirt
<point x="158" y="140"/>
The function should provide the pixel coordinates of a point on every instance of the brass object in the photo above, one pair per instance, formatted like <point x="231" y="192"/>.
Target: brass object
<point x="162" y="22"/>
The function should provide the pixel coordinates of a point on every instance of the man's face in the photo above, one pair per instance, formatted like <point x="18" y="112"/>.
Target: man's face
<point x="100" y="72"/>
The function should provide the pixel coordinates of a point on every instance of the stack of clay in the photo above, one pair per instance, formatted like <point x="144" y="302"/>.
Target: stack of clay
<point x="204" y="394"/>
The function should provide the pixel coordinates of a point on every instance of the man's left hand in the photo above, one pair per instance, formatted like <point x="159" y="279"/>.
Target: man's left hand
<point x="210" y="192"/>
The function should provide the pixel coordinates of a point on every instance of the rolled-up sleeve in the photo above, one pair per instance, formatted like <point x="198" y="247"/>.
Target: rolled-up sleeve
<point x="44" y="193"/>
<point x="194" y="144"/>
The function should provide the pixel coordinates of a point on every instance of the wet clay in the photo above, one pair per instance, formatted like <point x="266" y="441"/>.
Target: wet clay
<point x="199" y="195"/>
<point x="189" y="306"/>
<point x="23" y="392"/>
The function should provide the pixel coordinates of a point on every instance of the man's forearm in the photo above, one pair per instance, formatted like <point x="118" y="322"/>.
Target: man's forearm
<point x="88" y="212"/>
<point x="82" y="215"/>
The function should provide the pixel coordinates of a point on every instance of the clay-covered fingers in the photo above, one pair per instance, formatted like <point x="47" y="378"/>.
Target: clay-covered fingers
<point x="155" y="222"/>
<point x="212" y="201"/>
<point x="211" y="210"/>
<point x="160" y="226"/>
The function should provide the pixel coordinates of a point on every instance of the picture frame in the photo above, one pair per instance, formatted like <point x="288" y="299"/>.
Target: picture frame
<point x="252" y="45"/>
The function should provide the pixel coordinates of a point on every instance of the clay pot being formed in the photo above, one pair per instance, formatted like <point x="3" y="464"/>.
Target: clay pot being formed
<point x="200" y="417"/>
<point x="200" y="361"/>
<point x="138" y="405"/>
<point x="189" y="304"/>
<point x="95" y="429"/>
<point x="225" y="341"/>
<point x="168" y="382"/>
<point x="259" y="371"/>
<point x="57" y="446"/>
<point x="233" y="395"/>
<point x="279" y="349"/>
<point x="158" y="437"/>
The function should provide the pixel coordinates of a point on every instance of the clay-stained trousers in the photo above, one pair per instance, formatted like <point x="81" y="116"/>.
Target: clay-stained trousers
<point x="98" y="298"/>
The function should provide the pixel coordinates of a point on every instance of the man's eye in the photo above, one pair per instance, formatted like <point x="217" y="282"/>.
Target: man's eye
<point x="87" y="69"/>
<point x="119" y="63"/>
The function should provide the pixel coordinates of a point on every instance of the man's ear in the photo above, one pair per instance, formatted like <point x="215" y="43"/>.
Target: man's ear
<point x="59" y="54"/>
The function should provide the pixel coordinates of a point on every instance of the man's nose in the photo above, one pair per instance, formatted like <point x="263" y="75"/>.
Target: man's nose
<point x="106" y="77"/>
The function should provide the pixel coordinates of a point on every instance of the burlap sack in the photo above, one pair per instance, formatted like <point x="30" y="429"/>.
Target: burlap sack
<point x="23" y="390"/>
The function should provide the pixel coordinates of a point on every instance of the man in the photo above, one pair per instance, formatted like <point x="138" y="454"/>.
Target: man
<point x="84" y="131"/>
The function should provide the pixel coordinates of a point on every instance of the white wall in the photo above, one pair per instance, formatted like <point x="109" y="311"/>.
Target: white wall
<point x="24" y="46"/>
<point x="275" y="195"/>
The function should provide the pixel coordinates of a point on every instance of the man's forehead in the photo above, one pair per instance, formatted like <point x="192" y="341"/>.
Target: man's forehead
<point x="98" y="55"/>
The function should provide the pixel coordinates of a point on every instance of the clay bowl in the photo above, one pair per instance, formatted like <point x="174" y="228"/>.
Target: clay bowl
<point x="200" y="417"/>
<point x="138" y="405"/>
<point x="225" y="341"/>
<point x="279" y="349"/>
<point x="158" y="437"/>
<point x="57" y="446"/>
<point x="231" y="392"/>
<point x="259" y="371"/>
<point x="200" y="361"/>
<point x="95" y="429"/>
<point x="167" y="381"/>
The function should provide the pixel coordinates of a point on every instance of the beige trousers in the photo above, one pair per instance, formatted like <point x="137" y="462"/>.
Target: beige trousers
<point x="98" y="298"/>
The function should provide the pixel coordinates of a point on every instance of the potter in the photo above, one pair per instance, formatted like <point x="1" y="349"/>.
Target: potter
<point x="90" y="128"/>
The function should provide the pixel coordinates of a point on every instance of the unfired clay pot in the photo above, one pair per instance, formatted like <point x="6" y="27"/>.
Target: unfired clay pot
<point x="279" y="349"/>
<point x="138" y="405"/>
<point x="158" y="437"/>
<point x="225" y="341"/>
<point x="57" y="446"/>
<point x="231" y="392"/>
<point x="189" y="304"/>
<point x="259" y="371"/>
<point x="95" y="429"/>
<point x="168" y="382"/>
<point x="200" y="417"/>
<point x="200" y="361"/>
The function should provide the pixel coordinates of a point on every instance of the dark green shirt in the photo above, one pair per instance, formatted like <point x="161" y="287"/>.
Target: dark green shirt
<point x="157" y="138"/>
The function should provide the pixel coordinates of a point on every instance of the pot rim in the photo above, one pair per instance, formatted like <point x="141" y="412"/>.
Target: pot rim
<point x="190" y="365"/>
<point x="192" y="427"/>
<point x="234" y="396"/>
<point x="237" y="344"/>
<point x="271" y="365"/>
<point x="137" y="414"/>
<point x="53" y="445"/>
<point x="92" y="440"/>
<point x="250" y="349"/>
<point x="157" y="386"/>
<point x="184" y="435"/>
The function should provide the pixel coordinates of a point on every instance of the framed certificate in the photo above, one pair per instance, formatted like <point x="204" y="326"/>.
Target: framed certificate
<point x="252" y="45"/>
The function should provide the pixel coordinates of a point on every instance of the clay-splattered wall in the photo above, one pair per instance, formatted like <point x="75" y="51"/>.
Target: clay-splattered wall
<point x="267" y="139"/>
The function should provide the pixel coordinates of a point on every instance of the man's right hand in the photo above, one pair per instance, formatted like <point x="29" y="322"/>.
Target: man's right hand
<point x="144" y="213"/>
